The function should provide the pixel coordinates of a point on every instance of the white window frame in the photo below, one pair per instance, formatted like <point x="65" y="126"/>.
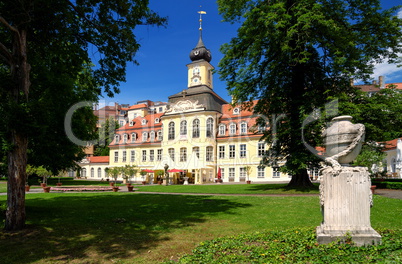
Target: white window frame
<point x="196" y="128"/>
<point x="209" y="152"/>
<point x="144" y="136"/>
<point x="221" y="152"/>
<point x="260" y="172"/>
<point x="132" y="157"/>
<point x="124" y="156"/>
<point x="243" y="150"/>
<point x="196" y="150"/>
<point x="159" y="155"/>
<point x="171" y="153"/>
<point x="183" y="154"/>
<point x="232" y="151"/>
<point x="152" y="136"/>
<point x="243" y="128"/>
<point x="183" y="128"/>
<point x="222" y="130"/>
<point x="151" y="155"/>
<point x="116" y="156"/>
<point x="144" y="155"/>
<point x="133" y="137"/>
<point x="171" y="131"/>
<point x="232" y="129"/>
<point x="261" y="149"/>
<point x="210" y="127"/>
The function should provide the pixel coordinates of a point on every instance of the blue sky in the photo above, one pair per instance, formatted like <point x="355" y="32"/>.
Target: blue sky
<point x="164" y="52"/>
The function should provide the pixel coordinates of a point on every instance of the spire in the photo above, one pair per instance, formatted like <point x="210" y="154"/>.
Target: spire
<point x="200" y="52"/>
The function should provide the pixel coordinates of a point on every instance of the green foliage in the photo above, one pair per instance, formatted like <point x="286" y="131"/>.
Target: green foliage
<point x="293" y="55"/>
<point x="368" y="157"/>
<point x="293" y="246"/>
<point x="106" y="134"/>
<point x="388" y="184"/>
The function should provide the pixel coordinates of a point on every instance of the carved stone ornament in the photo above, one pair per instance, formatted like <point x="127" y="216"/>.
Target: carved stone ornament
<point x="185" y="106"/>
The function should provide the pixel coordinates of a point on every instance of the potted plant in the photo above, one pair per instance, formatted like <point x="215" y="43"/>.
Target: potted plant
<point x="248" y="171"/>
<point x="114" y="172"/>
<point x="130" y="171"/>
<point x="159" y="175"/>
<point x="143" y="173"/>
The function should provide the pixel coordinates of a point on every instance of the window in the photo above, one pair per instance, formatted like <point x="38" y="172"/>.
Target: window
<point x="393" y="165"/>
<point x="222" y="173"/>
<point x="232" y="151"/>
<point x="196" y="150"/>
<point x="261" y="149"/>
<point x="92" y="172"/>
<point x="121" y="123"/>
<point x="231" y="172"/>
<point x="99" y="173"/>
<point x="243" y="173"/>
<point x="261" y="128"/>
<point x="84" y="173"/>
<point x="236" y="111"/>
<point x="243" y="150"/>
<point x="160" y="135"/>
<point x="152" y="136"/>
<point x="125" y="136"/>
<point x="243" y="128"/>
<point x="232" y="129"/>
<point x="221" y="152"/>
<point x="144" y="136"/>
<point x="116" y="156"/>
<point x="143" y="122"/>
<point x="210" y="127"/>
<point x="261" y="172"/>
<point x="124" y="156"/>
<point x="132" y="158"/>
<point x="196" y="128"/>
<point x="116" y="139"/>
<point x="171" y="131"/>
<point x="209" y="154"/>
<point x="222" y="130"/>
<point x="133" y="137"/>
<point x="171" y="153"/>
<point x="151" y="155"/>
<point x="159" y="155"/>
<point x="131" y="123"/>
<point x="144" y="155"/>
<point x="275" y="172"/>
<point x="160" y="109"/>
<point x="157" y="120"/>
<point x="183" y="154"/>
<point x="183" y="128"/>
<point x="106" y="174"/>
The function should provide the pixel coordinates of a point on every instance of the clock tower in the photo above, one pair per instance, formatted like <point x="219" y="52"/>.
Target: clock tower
<point x="200" y="70"/>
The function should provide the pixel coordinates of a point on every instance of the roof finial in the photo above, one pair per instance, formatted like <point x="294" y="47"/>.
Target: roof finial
<point x="201" y="13"/>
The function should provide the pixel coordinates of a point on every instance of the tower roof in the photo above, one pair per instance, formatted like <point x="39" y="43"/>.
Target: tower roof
<point x="200" y="52"/>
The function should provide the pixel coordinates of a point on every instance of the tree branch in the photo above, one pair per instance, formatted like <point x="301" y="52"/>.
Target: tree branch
<point x="4" y="22"/>
<point x="5" y="54"/>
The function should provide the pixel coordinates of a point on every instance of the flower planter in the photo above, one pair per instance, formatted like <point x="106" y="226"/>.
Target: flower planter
<point x="43" y="185"/>
<point x="46" y="189"/>
<point x="128" y="184"/>
<point x="111" y="183"/>
<point x="115" y="189"/>
<point x="130" y="188"/>
<point x="27" y="188"/>
<point x="372" y="188"/>
<point x="59" y="184"/>
<point x="144" y="182"/>
<point x="160" y="182"/>
<point x="248" y="182"/>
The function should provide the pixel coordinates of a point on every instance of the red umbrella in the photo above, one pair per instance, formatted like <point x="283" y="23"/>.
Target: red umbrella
<point x="219" y="173"/>
<point x="148" y="171"/>
<point x="175" y="170"/>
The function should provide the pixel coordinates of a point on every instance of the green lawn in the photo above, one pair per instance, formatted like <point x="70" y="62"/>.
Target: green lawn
<point x="229" y="189"/>
<point x="149" y="228"/>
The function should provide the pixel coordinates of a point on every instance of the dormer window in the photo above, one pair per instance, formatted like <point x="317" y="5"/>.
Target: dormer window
<point x="131" y="123"/>
<point x="116" y="139"/>
<point x="143" y="122"/>
<point x="232" y="129"/>
<point x="133" y="137"/>
<point x="125" y="136"/>
<point x="160" y="135"/>
<point x="222" y="130"/>
<point x="157" y="120"/>
<point x="144" y="136"/>
<point x="236" y="111"/>
<point x="152" y="136"/>
<point x="243" y="128"/>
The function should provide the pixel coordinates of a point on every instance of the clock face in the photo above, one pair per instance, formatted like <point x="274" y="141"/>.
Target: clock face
<point x="196" y="80"/>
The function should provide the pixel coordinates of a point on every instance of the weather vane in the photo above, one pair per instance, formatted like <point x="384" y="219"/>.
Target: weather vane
<point x="201" y="13"/>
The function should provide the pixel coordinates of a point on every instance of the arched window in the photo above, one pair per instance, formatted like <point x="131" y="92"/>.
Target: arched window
<point x="209" y="153"/>
<point x="160" y="137"/>
<point x="210" y="127"/>
<point x="393" y="165"/>
<point x="171" y="131"/>
<point x="116" y="139"/>
<point x="232" y="129"/>
<point x="222" y="130"/>
<point x="183" y="128"/>
<point x="171" y="153"/>
<point x="133" y="137"/>
<point x="125" y="136"/>
<point x="99" y="173"/>
<point x="196" y="128"/>
<point x="92" y="173"/>
<point x="84" y="173"/>
<point x="243" y="128"/>
<point x="144" y="136"/>
<point x="152" y="136"/>
<point x="183" y="154"/>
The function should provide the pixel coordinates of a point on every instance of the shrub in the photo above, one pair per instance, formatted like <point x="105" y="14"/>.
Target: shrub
<point x="293" y="246"/>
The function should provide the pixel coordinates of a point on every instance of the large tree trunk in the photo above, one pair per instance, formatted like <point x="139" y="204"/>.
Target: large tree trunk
<point x="301" y="179"/>
<point x="17" y="162"/>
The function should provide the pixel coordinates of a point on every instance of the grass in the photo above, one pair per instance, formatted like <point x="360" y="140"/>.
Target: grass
<point x="230" y="189"/>
<point x="150" y="228"/>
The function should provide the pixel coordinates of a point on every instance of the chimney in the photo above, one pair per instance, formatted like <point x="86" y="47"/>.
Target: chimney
<point x="381" y="82"/>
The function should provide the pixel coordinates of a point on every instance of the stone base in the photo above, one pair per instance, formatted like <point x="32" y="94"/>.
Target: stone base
<point x="359" y="238"/>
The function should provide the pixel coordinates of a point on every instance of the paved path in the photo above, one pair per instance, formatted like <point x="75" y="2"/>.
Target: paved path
<point x="396" y="194"/>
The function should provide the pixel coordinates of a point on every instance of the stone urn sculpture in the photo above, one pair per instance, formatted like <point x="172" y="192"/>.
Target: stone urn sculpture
<point x="343" y="139"/>
<point x="345" y="194"/>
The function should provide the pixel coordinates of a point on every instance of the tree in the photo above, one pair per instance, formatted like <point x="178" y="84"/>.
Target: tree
<point x="45" y="45"/>
<point x="129" y="172"/>
<point x="293" y="54"/>
<point x="106" y="134"/>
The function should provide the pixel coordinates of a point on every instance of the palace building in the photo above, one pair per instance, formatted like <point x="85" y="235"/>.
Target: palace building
<point x="197" y="133"/>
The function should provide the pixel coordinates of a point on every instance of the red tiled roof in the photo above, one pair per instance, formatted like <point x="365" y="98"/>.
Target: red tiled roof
<point x="391" y="144"/>
<point x="138" y="106"/>
<point x="98" y="159"/>
<point x="376" y="88"/>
